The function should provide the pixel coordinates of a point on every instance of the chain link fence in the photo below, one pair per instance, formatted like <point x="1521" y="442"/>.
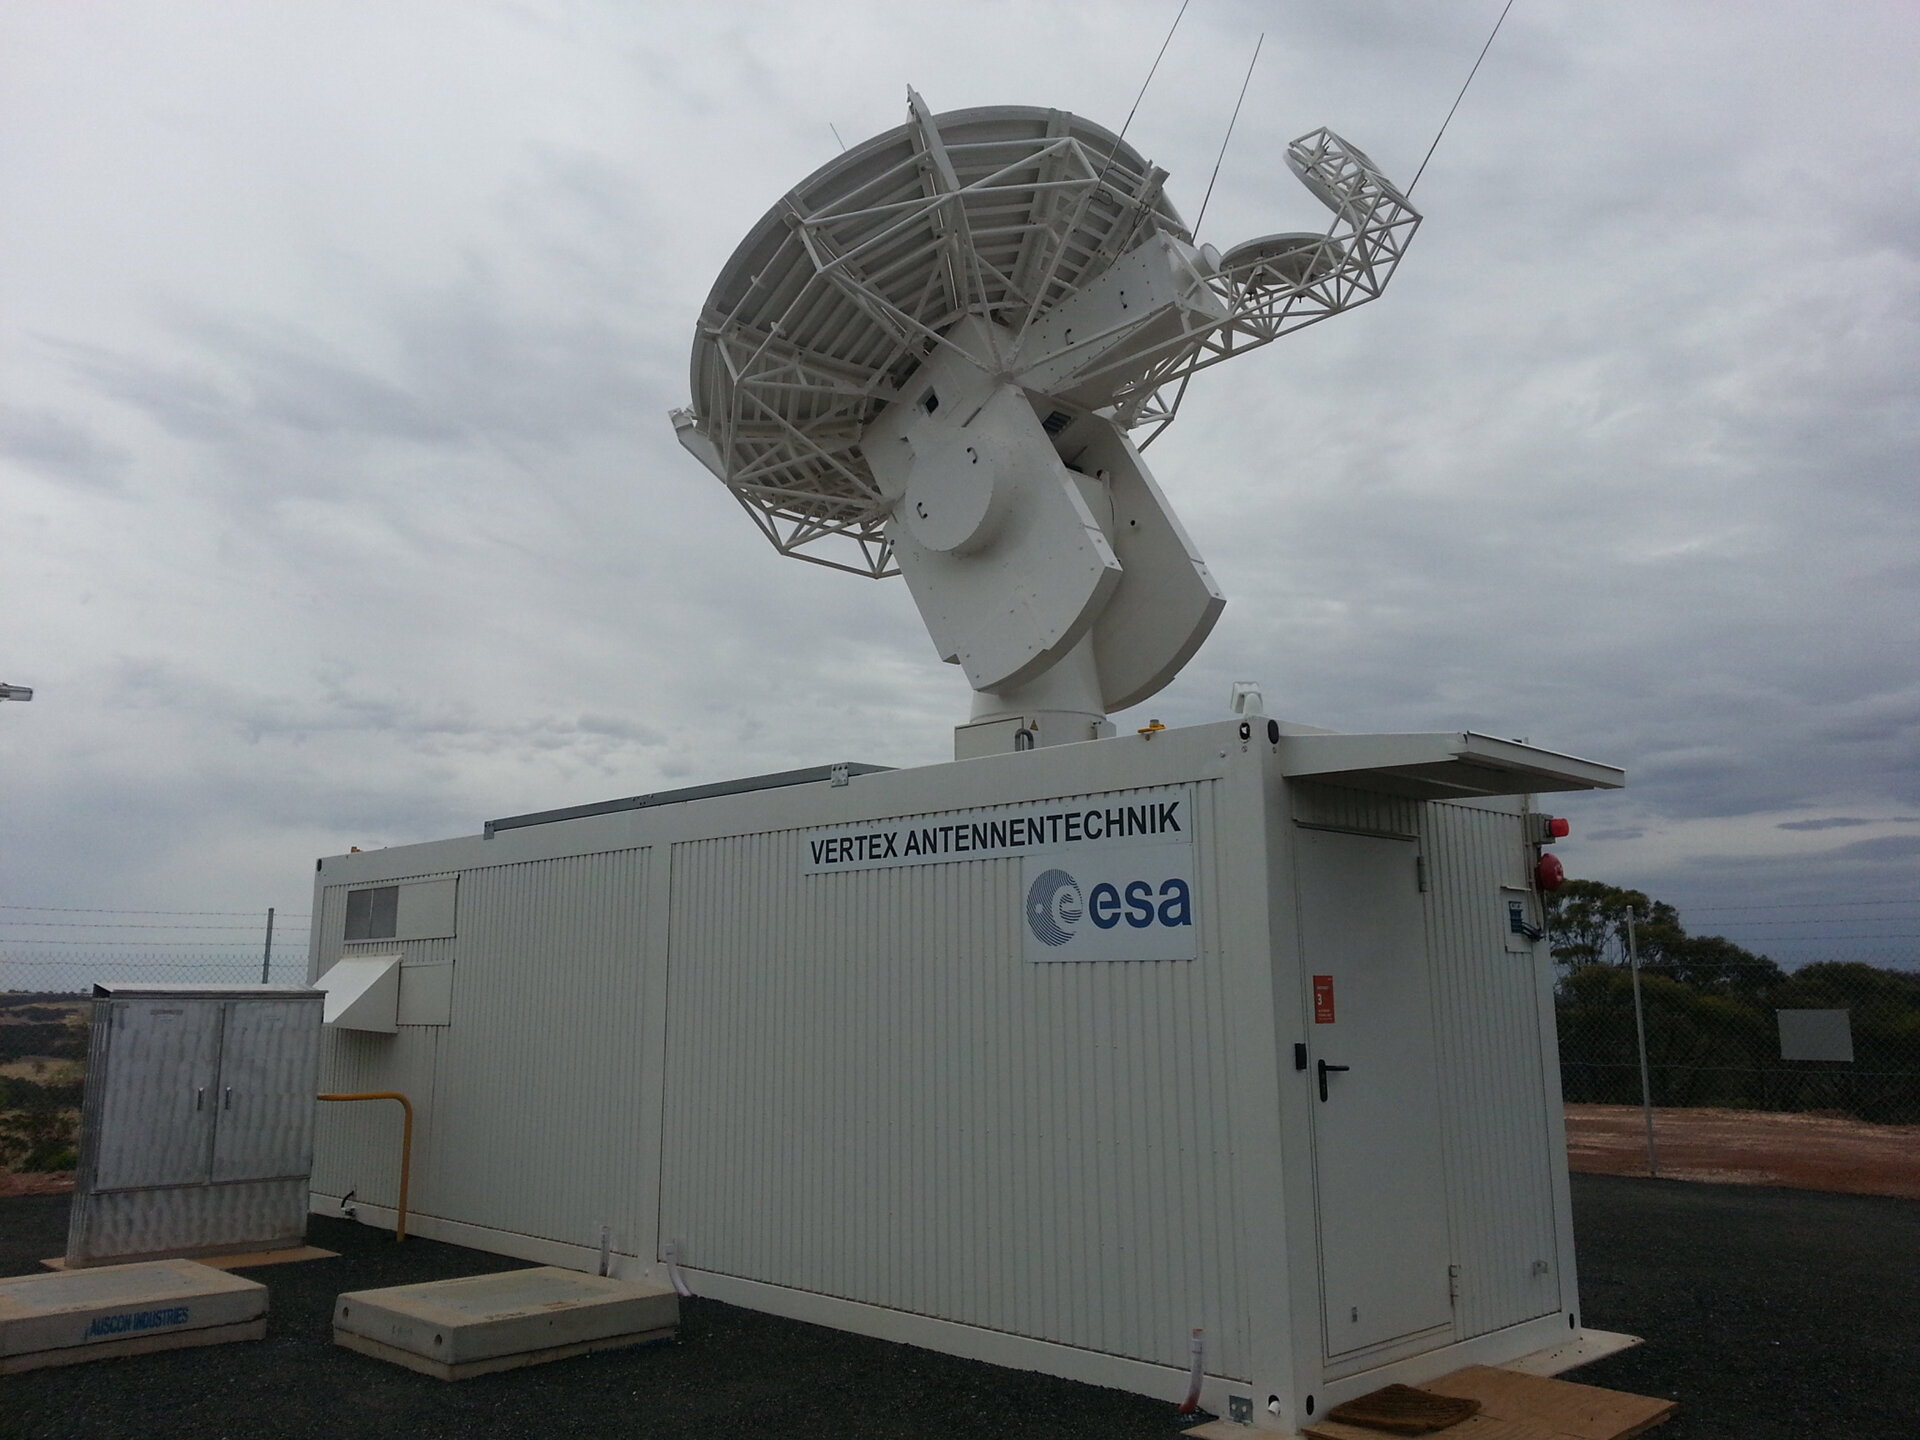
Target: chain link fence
<point x="77" y="974"/>
<point x="69" y="949"/>
<point x="50" y="960"/>
<point x="1835" y="1037"/>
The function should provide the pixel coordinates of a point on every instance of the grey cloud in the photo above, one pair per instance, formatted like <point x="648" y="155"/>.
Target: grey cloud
<point x="58" y="447"/>
<point x="189" y="406"/>
<point x="1622" y="462"/>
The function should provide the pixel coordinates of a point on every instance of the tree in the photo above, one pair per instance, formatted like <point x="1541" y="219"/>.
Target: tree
<point x="1709" y="1008"/>
<point x="1588" y="922"/>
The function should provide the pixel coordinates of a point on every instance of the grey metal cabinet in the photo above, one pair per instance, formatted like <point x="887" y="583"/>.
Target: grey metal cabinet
<point x="197" y="1131"/>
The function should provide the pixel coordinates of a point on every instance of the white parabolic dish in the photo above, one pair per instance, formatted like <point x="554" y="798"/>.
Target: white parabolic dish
<point x="925" y="359"/>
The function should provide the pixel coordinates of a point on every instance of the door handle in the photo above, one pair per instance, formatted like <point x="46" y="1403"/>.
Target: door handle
<point x="227" y="1101"/>
<point x="1324" y="1068"/>
<point x="200" y="1098"/>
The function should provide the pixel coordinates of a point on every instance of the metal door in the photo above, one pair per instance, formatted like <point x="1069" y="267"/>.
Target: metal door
<point x="1376" y="1117"/>
<point x="268" y="1061"/>
<point x="156" y="1126"/>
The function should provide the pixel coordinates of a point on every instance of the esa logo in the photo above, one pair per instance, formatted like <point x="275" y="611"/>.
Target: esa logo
<point x="1056" y="907"/>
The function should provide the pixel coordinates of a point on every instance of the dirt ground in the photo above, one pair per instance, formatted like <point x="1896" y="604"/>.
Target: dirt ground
<point x="1745" y="1147"/>
<point x="51" y="1182"/>
<point x="1720" y="1147"/>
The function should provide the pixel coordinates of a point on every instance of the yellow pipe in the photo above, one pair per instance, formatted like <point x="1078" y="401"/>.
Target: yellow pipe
<point x="406" y="1146"/>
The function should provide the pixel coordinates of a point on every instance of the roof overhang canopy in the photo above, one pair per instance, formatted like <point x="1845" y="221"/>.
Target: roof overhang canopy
<point x="1452" y="765"/>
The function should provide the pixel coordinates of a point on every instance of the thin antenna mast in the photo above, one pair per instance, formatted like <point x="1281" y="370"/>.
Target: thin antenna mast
<point x="1221" y="157"/>
<point x="1154" y="67"/>
<point x="1461" y="96"/>
<point x="1086" y="198"/>
<point x="1113" y="154"/>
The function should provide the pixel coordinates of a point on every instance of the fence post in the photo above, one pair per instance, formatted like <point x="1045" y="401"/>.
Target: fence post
<point x="1640" y="1034"/>
<point x="266" y="959"/>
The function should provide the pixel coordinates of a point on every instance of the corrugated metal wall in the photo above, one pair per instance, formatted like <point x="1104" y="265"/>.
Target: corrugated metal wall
<point x="869" y="1093"/>
<point x="1492" y="1079"/>
<point x="532" y="1118"/>
<point x="872" y="1094"/>
<point x="1339" y="808"/>
<point x="333" y="929"/>
<point x="540" y="1123"/>
<point x="357" y="1145"/>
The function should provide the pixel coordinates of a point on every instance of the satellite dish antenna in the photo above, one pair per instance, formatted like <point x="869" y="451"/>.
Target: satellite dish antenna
<point x="927" y="358"/>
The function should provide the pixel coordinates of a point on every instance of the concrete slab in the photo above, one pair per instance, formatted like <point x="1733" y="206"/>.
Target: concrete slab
<point x="71" y="1316"/>
<point x="453" y="1329"/>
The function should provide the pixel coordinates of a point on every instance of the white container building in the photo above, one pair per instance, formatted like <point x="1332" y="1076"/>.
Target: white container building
<point x="1046" y="1058"/>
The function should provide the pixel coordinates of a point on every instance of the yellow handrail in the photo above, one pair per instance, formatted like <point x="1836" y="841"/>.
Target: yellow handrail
<point x="406" y="1147"/>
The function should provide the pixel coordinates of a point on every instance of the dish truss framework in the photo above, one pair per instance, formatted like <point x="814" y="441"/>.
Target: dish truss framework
<point x="958" y="264"/>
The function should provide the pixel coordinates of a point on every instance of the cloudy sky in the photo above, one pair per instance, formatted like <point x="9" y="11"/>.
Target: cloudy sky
<point x="339" y="505"/>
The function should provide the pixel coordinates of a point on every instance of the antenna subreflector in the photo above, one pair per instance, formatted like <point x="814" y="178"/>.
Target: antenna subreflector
<point x="926" y="359"/>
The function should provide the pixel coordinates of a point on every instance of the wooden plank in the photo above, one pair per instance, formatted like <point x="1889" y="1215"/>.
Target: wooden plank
<point x="439" y="1370"/>
<point x="135" y="1345"/>
<point x="247" y="1260"/>
<point x="1219" y="1430"/>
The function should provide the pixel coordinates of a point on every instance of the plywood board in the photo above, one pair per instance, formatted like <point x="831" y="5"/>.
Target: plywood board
<point x="248" y="1260"/>
<point x="1478" y="1427"/>
<point x="1516" y="1406"/>
<point x="1558" y="1407"/>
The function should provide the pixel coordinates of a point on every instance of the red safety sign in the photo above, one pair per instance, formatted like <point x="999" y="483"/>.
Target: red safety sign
<point x="1323" y="1000"/>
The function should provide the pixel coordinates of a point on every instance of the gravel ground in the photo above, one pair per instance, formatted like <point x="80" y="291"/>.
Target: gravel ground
<point x="1768" y="1313"/>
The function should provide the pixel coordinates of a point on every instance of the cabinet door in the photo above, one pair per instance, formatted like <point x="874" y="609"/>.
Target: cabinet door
<point x="268" y="1064"/>
<point x="156" y="1125"/>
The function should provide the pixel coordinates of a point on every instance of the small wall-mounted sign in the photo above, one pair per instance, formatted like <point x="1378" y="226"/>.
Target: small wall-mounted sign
<point x="1816" y="1035"/>
<point x="1519" y="932"/>
<point x="1323" y="1000"/>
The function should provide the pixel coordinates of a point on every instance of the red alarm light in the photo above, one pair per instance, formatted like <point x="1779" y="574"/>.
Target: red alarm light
<point x="1558" y="828"/>
<point x="1549" y="874"/>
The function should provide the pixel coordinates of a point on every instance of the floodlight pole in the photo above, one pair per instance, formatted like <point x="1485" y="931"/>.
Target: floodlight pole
<point x="1640" y="1033"/>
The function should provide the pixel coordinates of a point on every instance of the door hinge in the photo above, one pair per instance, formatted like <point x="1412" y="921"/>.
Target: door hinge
<point x="1420" y="872"/>
<point x="1453" y="1284"/>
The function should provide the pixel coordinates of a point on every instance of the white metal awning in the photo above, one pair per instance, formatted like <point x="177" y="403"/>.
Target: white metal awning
<point x="1451" y="765"/>
<point x="363" y="993"/>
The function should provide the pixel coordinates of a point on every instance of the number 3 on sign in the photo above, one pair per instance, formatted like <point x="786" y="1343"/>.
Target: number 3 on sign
<point x="1323" y="1000"/>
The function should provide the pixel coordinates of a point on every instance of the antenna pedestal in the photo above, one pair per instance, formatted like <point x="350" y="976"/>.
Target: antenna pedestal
<point x="1058" y="707"/>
